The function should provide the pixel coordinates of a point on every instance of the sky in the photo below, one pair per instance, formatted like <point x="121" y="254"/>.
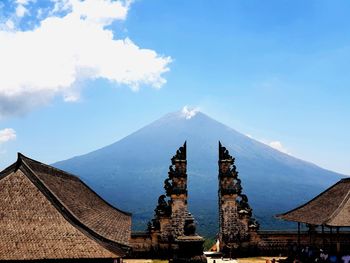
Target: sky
<point x="79" y="75"/>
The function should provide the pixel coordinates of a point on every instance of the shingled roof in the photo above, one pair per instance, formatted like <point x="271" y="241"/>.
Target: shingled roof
<point x="92" y="228"/>
<point x="330" y="208"/>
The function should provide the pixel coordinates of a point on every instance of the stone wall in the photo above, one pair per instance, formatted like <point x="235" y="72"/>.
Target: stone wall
<point x="141" y="243"/>
<point x="281" y="242"/>
<point x="264" y="243"/>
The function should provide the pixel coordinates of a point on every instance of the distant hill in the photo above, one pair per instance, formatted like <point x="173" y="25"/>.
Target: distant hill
<point x="130" y="173"/>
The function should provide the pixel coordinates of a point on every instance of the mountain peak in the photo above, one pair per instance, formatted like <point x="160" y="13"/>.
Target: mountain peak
<point x="184" y="114"/>
<point x="188" y="112"/>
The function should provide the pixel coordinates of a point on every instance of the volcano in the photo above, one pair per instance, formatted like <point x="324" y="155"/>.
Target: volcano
<point x="130" y="172"/>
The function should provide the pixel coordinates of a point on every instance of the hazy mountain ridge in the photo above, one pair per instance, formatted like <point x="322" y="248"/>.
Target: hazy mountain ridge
<point x="130" y="172"/>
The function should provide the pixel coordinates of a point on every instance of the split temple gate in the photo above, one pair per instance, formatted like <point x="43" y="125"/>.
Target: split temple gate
<point x="172" y="231"/>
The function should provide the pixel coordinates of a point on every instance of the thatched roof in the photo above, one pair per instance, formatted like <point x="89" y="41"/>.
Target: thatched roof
<point x="331" y="207"/>
<point x="46" y="213"/>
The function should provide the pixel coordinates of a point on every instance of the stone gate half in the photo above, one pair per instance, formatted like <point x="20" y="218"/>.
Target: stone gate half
<point x="237" y="227"/>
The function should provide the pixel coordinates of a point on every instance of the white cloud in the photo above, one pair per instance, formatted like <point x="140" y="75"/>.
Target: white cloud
<point x="7" y="134"/>
<point x="21" y="10"/>
<point x="24" y="2"/>
<point x="188" y="112"/>
<point x="100" y="12"/>
<point x="9" y="24"/>
<point x="278" y="146"/>
<point x="49" y="60"/>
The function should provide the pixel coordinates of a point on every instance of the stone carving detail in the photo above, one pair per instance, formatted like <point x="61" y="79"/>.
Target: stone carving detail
<point x="168" y="186"/>
<point x="176" y="183"/>
<point x="163" y="208"/>
<point x="180" y="156"/>
<point x="253" y="224"/>
<point x="154" y="224"/>
<point x="243" y="206"/>
<point x="190" y="226"/>
<point x="235" y="219"/>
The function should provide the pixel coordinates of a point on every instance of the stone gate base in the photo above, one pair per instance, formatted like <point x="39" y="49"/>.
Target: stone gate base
<point x="190" y="250"/>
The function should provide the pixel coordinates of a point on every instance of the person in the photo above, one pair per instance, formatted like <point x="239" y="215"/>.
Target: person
<point x="346" y="258"/>
<point x="323" y="255"/>
<point x="333" y="258"/>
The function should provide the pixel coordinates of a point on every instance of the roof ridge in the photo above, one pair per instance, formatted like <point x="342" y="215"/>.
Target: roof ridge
<point x="66" y="212"/>
<point x="8" y="170"/>
<point x="301" y="206"/>
<point x="345" y="179"/>
<point x="22" y="156"/>
<point x="340" y="206"/>
<point x="107" y="203"/>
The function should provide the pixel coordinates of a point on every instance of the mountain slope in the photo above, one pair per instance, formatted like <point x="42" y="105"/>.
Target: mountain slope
<point x="130" y="172"/>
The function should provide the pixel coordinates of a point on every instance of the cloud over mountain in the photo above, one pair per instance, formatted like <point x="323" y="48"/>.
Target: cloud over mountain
<point x="278" y="146"/>
<point x="72" y="42"/>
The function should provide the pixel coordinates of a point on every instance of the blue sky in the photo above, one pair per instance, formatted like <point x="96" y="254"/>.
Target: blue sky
<point x="274" y="70"/>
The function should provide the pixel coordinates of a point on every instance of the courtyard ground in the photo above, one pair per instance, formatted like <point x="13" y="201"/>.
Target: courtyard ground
<point x="210" y="260"/>
<point x="144" y="261"/>
<point x="257" y="259"/>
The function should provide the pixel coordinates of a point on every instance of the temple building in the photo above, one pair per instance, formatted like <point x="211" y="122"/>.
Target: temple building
<point x="329" y="210"/>
<point x="47" y="214"/>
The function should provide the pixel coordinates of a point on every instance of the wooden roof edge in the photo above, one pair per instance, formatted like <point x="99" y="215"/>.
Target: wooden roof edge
<point x="69" y="216"/>
<point x="13" y="167"/>
<point x="345" y="179"/>
<point x="8" y="170"/>
<point x="281" y="216"/>
<point x="107" y="203"/>
<point x="23" y="157"/>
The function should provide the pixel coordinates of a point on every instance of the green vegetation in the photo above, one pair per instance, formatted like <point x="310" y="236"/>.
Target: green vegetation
<point x="208" y="243"/>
